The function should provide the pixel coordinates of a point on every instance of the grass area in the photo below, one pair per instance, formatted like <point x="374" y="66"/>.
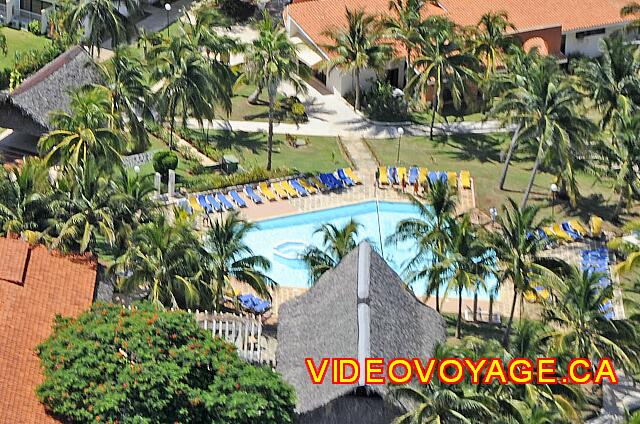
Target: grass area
<point x="424" y="117"/>
<point x="20" y="41"/>
<point x="482" y="330"/>
<point x="242" y="110"/>
<point x="480" y="155"/>
<point x="321" y="153"/>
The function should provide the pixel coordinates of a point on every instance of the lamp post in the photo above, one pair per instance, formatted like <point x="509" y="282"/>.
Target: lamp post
<point x="136" y="169"/>
<point x="167" y="7"/>
<point x="554" y="190"/>
<point x="400" y="132"/>
<point x="494" y="214"/>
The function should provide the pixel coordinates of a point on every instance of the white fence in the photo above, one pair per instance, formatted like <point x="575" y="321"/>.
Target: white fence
<point x="243" y="331"/>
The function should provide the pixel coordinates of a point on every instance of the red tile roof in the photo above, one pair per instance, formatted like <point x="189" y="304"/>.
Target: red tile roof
<point x="53" y="284"/>
<point x="316" y="16"/>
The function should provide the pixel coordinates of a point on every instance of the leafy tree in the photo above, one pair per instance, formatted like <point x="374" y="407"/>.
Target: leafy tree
<point x="227" y="257"/>
<point x="189" y="85"/>
<point x="25" y="199"/>
<point x="3" y="45"/>
<point x="465" y="263"/>
<point x="144" y="365"/>
<point x="623" y="159"/>
<point x="357" y="47"/>
<point x="517" y="252"/>
<point x="442" y="61"/>
<point x="546" y="104"/>
<point x="270" y="60"/>
<point x="162" y="262"/>
<point x="104" y="21"/>
<point x="130" y="96"/>
<point x="337" y="242"/>
<point x="613" y="79"/>
<point x="164" y="161"/>
<point x="429" y="233"/>
<point x="404" y="26"/>
<point x="87" y="133"/>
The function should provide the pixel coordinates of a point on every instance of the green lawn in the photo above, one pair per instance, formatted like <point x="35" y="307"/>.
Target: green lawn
<point x="321" y="154"/>
<point x="19" y="41"/>
<point x="480" y="155"/>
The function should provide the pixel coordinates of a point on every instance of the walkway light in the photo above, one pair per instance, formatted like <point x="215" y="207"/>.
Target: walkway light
<point x="554" y="190"/>
<point x="400" y="132"/>
<point x="167" y="7"/>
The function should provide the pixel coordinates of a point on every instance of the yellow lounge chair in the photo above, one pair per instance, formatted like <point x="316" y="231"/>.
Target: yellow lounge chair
<point x="349" y="172"/>
<point x="318" y="183"/>
<point x="266" y="191"/>
<point x="402" y="172"/>
<point x="561" y="233"/>
<point x="193" y="202"/>
<point x="311" y="189"/>
<point x="452" y="180"/>
<point x="280" y="191"/>
<point x="530" y="296"/>
<point x="577" y="225"/>
<point x="595" y="223"/>
<point x="383" y="175"/>
<point x="548" y="231"/>
<point x="422" y="175"/>
<point x="465" y="179"/>
<point x="292" y="192"/>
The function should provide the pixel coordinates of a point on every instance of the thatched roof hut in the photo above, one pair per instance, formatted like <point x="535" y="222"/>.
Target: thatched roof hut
<point x="359" y="309"/>
<point x="27" y="109"/>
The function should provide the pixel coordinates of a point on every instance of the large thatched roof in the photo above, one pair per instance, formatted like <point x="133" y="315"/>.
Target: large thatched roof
<point x="359" y="309"/>
<point x="28" y="107"/>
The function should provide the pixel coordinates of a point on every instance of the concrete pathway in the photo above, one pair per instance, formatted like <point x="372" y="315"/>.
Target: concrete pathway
<point x="203" y="159"/>
<point x="617" y="399"/>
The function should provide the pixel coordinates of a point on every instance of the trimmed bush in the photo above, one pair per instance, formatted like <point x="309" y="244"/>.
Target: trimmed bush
<point x="205" y="182"/>
<point x="237" y="9"/>
<point x="147" y="365"/>
<point x="382" y="105"/>
<point x="34" y="27"/>
<point x="163" y="161"/>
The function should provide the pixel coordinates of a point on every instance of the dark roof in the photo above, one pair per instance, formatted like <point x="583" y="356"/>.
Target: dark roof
<point x="47" y="90"/>
<point x="359" y="309"/>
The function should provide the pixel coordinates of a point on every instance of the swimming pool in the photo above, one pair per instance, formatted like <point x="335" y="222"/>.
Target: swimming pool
<point x="281" y="240"/>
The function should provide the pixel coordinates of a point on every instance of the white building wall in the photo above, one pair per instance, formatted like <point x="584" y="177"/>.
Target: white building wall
<point x="589" y="45"/>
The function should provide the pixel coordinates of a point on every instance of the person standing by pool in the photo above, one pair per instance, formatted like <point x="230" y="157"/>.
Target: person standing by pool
<point x="404" y="183"/>
<point x="377" y="180"/>
<point x="416" y="187"/>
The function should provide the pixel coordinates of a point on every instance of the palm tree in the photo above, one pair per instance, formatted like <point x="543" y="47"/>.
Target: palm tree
<point x="162" y="262"/>
<point x="627" y="249"/>
<point x="466" y="261"/>
<point x="84" y="218"/>
<point x="516" y="251"/>
<point x="270" y="60"/>
<point x="86" y="133"/>
<point x="405" y="25"/>
<point x="25" y="199"/>
<point x="228" y="258"/>
<point x="429" y="233"/>
<point x="130" y="95"/>
<point x="581" y="329"/>
<point x="442" y="60"/>
<point x="337" y="242"/>
<point x="631" y="9"/>
<point x="437" y="402"/>
<point x="357" y="47"/>
<point x="189" y="85"/>
<point x="104" y="21"/>
<point x="613" y="79"/>
<point x="546" y="104"/>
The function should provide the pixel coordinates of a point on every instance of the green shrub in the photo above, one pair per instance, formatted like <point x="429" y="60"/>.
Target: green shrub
<point x="299" y="113"/>
<point x="148" y="365"/>
<point x="382" y="105"/>
<point x="237" y="9"/>
<point x="34" y="27"/>
<point x="30" y="61"/>
<point x="163" y="161"/>
<point x="203" y="182"/>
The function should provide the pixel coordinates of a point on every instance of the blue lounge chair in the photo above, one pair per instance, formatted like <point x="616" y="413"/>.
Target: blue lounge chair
<point x="391" y="174"/>
<point x="567" y="228"/>
<point x="433" y="177"/>
<point x="325" y="180"/>
<point x="203" y="202"/>
<point x="298" y="187"/>
<point x="413" y="175"/>
<point x="184" y="204"/>
<point x="224" y="201"/>
<point x="262" y="306"/>
<point x="336" y="182"/>
<point x="251" y="193"/>
<point x="253" y="303"/>
<point x="344" y="177"/>
<point x="542" y="235"/>
<point x="443" y="177"/>
<point x="236" y="198"/>
<point x="331" y="181"/>
<point x="214" y="203"/>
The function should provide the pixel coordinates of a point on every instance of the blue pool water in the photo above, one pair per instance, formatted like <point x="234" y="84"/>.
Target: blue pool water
<point x="282" y="239"/>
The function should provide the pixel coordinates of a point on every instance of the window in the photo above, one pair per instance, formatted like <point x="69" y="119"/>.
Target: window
<point x="582" y="34"/>
<point x="35" y="6"/>
<point x="563" y="43"/>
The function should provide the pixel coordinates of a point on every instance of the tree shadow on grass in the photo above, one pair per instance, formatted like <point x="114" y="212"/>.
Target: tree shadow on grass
<point x="482" y="147"/>
<point x="236" y="140"/>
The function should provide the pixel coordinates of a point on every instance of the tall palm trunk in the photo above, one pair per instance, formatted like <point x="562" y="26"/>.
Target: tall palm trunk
<point x="357" y="88"/>
<point x="438" y="299"/>
<point x="491" y="300"/>
<point x="507" y="332"/>
<point x="434" y="108"/>
<point x="534" y="171"/>
<point x="475" y="305"/>
<point x="172" y="125"/>
<point x="459" y="323"/>
<point x="272" y="98"/>
<point x="512" y="148"/>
